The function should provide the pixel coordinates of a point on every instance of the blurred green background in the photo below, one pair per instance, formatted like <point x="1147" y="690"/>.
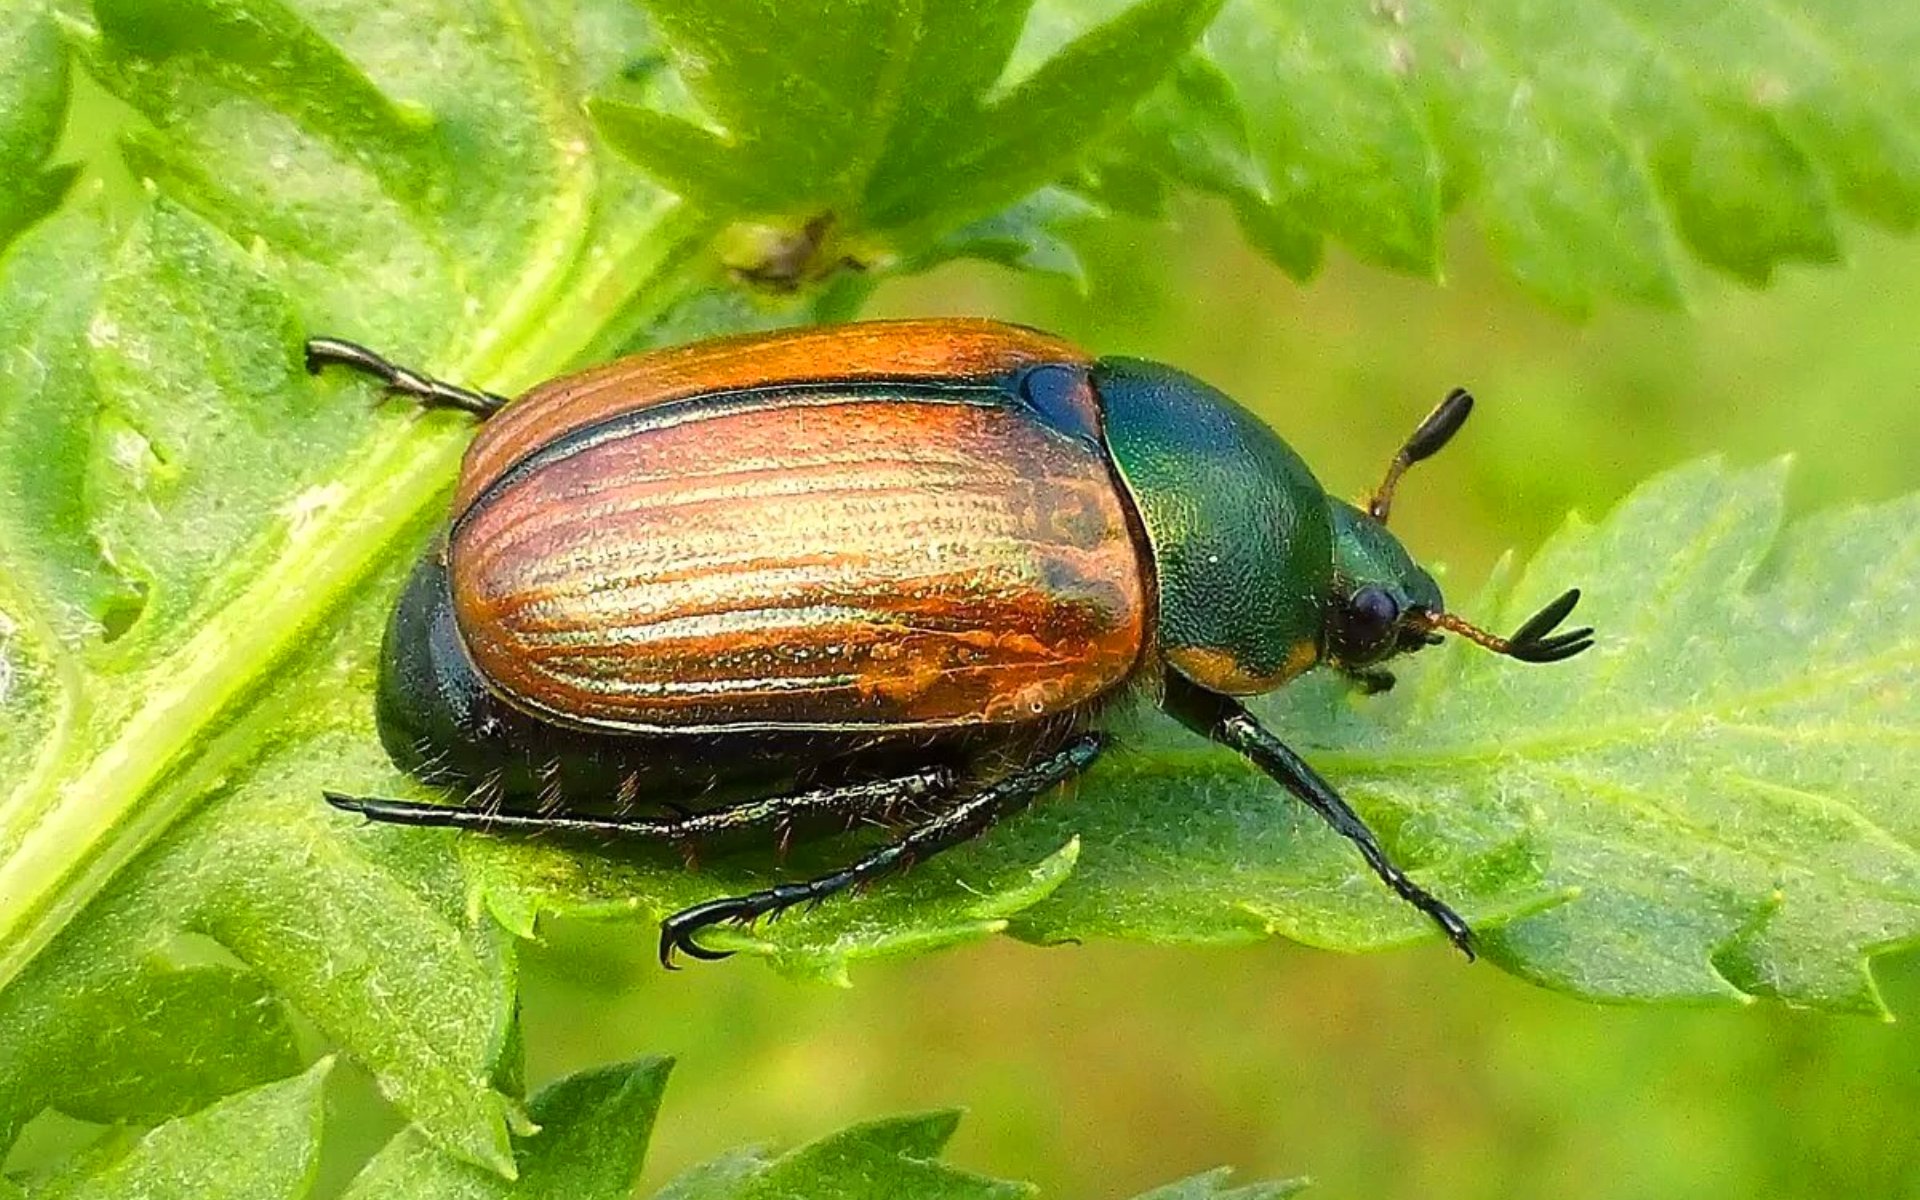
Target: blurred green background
<point x="1098" y="1071"/>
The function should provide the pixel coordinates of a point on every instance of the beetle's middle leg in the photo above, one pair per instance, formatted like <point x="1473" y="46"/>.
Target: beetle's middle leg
<point x="965" y="820"/>
<point x="400" y="381"/>
<point x="873" y="798"/>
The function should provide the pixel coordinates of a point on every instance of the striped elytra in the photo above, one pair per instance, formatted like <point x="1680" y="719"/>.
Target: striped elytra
<point x="889" y="552"/>
<point x="880" y="351"/>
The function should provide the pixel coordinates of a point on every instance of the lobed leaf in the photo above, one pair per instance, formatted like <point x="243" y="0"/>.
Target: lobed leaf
<point x="1213" y="1186"/>
<point x="167" y="1033"/>
<point x="594" y="1129"/>
<point x="897" y="1156"/>
<point x="1595" y="145"/>
<point x="33" y="104"/>
<point x="198" y="543"/>
<point x="593" y="1133"/>
<point x="1720" y="789"/>
<point x="367" y="937"/>
<point x="883" y="122"/>
<point x="262" y="1144"/>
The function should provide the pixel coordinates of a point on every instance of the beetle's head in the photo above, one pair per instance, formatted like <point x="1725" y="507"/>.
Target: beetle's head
<point x="1384" y="603"/>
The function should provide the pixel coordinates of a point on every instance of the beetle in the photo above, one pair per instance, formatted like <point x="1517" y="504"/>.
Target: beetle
<point x="863" y="569"/>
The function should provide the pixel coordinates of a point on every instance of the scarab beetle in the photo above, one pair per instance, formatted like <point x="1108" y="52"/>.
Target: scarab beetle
<point x="874" y="568"/>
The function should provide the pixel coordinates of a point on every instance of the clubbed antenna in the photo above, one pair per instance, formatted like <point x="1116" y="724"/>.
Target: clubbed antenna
<point x="1433" y="433"/>
<point x="1531" y="642"/>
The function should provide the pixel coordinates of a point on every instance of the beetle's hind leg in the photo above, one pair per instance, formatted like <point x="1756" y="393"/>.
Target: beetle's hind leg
<point x="323" y="352"/>
<point x="965" y="820"/>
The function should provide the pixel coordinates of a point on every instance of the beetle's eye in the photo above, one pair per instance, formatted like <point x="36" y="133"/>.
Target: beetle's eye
<point x="1371" y="616"/>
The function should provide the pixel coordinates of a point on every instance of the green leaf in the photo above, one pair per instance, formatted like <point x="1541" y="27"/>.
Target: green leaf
<point x="367" y="937"/>
<point x="1591" y="143"/>
<point x="33" y="102"/>
<point x="878" y="1159"/>
<point x="592" y="1141"/>
<point x="198" y="542"/>
<point x="1213" y="1186"/>
<point x="1034" y="234"/>
<point x="261" y="1144"/>
<point x="1719" y="788"/>
<point x="1596" y="147"/>
<point x="692" y="161"/>
<point x="594" y="1129"/>
<point x="884" y="114"/>
<point x="1712" y="804"/>
<point x="1024" y="138"/>
<point x="158" y="1038"/>
<point x="523" y="880"/>
<point x="1193" y="132"/>
<point x="1344" y="148"/>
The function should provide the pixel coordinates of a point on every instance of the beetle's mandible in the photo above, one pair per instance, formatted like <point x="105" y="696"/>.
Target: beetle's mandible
<point x="873" y="569"/>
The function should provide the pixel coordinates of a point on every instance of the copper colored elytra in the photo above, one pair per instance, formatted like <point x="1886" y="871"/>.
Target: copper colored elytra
<point x="696" y="576"/>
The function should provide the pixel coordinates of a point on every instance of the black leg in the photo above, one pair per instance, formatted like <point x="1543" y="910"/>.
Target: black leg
<point x="1227" y="721"/>
<point x="1373" y="681"/>
<point x="850" y="800"/>
<point x="432" y="393"/>
<point x="965" y="820"/>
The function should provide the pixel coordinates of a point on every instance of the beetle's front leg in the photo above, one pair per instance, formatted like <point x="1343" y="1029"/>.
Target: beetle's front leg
<point x="1373" y="681"/>
<point x="1227" y="721"/>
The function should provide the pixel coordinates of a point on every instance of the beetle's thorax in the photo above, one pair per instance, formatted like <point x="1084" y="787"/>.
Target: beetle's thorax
<point x="1241" y="536"/>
